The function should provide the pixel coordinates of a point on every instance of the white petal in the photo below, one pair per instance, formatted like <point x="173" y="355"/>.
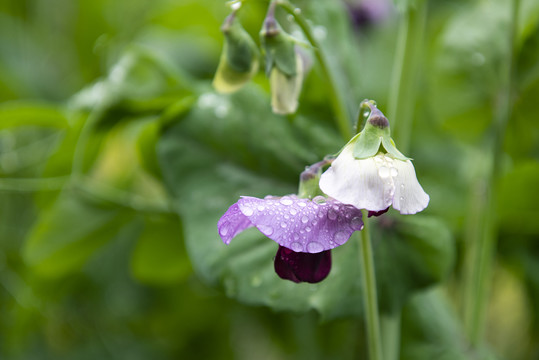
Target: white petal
<point x="409" y="197"/>
<point x="357" y="182"/>
<point x="285" y="89"/>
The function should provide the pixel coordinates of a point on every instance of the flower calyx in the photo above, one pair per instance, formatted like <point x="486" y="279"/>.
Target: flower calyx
<point x="375" y="136"/>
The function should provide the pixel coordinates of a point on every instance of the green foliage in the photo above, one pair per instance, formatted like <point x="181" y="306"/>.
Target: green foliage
<point x="117" y="159"/>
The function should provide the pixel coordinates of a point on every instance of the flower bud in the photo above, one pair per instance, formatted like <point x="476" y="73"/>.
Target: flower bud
<point x="284" y="66"/>
<point x="239" y="59"/>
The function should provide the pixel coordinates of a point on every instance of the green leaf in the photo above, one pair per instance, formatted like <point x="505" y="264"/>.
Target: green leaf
<point x="159" y="256"/>
<point x="514" y="199"/>
<point x="18" y="113"/>
<point x="68" y="233"/>
<point x="208" y="162"/>
<point x="411" y="253"/>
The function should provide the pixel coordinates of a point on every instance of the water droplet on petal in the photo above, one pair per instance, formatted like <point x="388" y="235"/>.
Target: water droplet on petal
<point x="283" y="225"/>
<point x="302" y="203"/>
<point x="340" y="237"/>
<point x="260" y="207"/>
<point x="320" y="200"/>
<point x="304" y="219"/>
<point x="296" y="246"/>
<point x="308" y="229"/>
<point x="356" y="223"/>
<point x="224" y="229"/>
<point x="383" y="172"/>
<point x="402" y="187"/>
<point x="332" y="215"/>
<point x="266" y="230"/>
<point x="293" y="211"/>
<point x="295" y="236"/>
<point x="247" y="211"/>
<point x="286" y="201"/>
<point x="394" y="172"/>
<point x="314" y="247"/>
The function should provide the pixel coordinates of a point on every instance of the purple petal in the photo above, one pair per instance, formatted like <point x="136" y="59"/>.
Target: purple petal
<point x="302" y="225"/>
<point x="302" y="267"/>
<point x="378" y="213"/>
<point x="232" y="223"/>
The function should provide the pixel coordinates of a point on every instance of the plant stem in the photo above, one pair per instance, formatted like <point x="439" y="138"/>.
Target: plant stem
<point x="403" y="87"/>
<point x="481" y="267"/>
<point x="343" y="118"/>
<point x="369" y="287"/>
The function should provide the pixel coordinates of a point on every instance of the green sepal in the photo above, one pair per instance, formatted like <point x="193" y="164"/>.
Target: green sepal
<point x="279" y="50"/>
<point x="373" y="139"/>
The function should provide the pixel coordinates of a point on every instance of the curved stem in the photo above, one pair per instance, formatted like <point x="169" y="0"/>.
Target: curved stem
<point x="480" y="271"/>
<point x="339" y="107"/>
<point x="369" y="287"/>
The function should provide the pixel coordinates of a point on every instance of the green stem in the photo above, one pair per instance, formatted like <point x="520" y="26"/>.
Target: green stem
<point x="343" y="118"/>
<point x="391" y="330"/>
<point x="481" y="266"/>
<point x="370" y="297"/>
<point x="31" y="185"/>
<point x="403" y="87"/>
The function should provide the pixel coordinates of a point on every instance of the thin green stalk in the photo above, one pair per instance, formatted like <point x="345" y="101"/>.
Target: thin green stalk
<point x="370" y="299"/>
<point x="481" y="268"/>
<point x="403" y="87"/>
<point x="335" y="96"/>
<point x="33" y="184"/>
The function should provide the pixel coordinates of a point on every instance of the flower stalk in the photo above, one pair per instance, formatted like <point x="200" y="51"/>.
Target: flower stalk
<point x="369" y="286"/>
<point x="484" y="240"/>
<point x="342" y="116"/>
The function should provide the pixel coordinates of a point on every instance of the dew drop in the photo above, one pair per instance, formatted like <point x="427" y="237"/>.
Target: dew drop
<point x="295" y="236"/>
<point x="332" y="215"/>
<point x="247" y="211"/>
<point x="286" y="201"/>
<point x="266" y="230"/>
<point x="296" y="246"/>
<point x="224" y="229"/>
<point x="356" y="223"/>
<point x="304" y="219"/>
<point x="320" y="200"/>
<point x="283" y="225"/>
<point x="340" y="237"/>
<point x="394" y="172"/>
<point x="314" y="247"/>
<point x="308" y="229"/>
<point x="297" y="11"/>
<point x="293" y="211"/>
<point x="260" y="208"/>
<point x="383" y="172"/>
<point x="402" y="187"/>
<point x="302" y="204"/>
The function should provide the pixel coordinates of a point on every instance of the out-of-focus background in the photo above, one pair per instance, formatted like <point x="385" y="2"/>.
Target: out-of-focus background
<point x="117" y="158"/>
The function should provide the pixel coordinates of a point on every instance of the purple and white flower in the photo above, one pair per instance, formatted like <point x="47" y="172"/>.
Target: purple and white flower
<point x="374" y="183"/>
<point x="306" y="230"/>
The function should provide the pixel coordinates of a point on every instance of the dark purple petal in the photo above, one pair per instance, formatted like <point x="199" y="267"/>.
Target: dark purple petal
<point x="378" y="213"/>
<point x="302" y="225"/>
<point x="232" y="223"/>
<point x="302" y="267"/>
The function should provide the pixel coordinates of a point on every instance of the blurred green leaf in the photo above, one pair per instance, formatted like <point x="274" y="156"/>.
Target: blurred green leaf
<point x="411" y="253"/>
<point x="19" y="113"/>
<point x="514" y="199"/>
<point x="159" y="256"/>
<point x="68" y="233"/>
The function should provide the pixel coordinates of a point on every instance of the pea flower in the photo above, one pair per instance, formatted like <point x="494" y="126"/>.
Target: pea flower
<point x="306" y="230"/>
<point x="285" y="65"/>
<point x="239" y="59"/>
<point x="370" y="173"/>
